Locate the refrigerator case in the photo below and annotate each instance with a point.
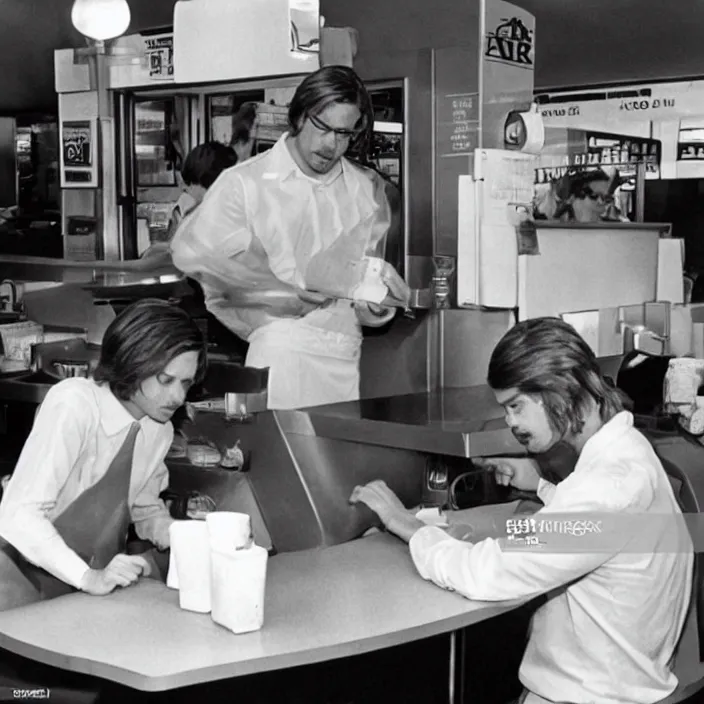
(493, 203)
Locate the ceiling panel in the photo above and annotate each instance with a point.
(579, 42)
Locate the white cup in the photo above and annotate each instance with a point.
(238, 588)
(172, 575)
(190, 547)
(229, 531)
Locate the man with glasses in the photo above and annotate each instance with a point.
(282, 208)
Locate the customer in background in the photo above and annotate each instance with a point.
(269, 216)
(613, 616)
(580, 196)
(244, 131)
(201, 168)
(94, 463)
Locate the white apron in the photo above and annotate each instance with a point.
(308, 365)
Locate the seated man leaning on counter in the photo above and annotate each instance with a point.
(613, 617)
(94, 463)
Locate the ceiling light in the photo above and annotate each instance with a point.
(101, 19)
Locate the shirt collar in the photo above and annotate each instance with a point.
(609, 433)
(114, 417)
(283, 165)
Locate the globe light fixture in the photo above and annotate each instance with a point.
(101, 19)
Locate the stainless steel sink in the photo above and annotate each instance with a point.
(26, 387)
(38, 377)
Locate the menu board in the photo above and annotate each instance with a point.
(457, 124)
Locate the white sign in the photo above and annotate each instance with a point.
(655, 101)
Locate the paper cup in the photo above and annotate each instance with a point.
(172, 576)
(190, 548)
(229, 531)
(238, 586)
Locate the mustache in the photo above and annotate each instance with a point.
(521, 436)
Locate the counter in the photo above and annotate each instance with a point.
(105, 279)
(461, 422)
(320, 605)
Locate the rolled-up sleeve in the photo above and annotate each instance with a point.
(42, 471)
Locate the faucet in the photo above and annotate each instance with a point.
(12, 299)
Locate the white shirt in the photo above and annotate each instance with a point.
(609, 630)
(76, 434)
(293, 217)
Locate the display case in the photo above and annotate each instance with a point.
(155, 159)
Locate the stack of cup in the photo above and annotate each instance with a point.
(189, 564)
(218, 569)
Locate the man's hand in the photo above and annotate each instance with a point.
(372, 315)
(122, 571)
(519, 472)
(393, 514)
(310, 300)
(398, 288)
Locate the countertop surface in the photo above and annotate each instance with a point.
(462, 422)
(320, 604)
(465, 409)
(97, 274)
(604, 225)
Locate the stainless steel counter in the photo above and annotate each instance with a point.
(465, 422)
(315, 457)
(119, 279)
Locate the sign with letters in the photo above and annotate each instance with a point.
(160, 57)
(510, 42)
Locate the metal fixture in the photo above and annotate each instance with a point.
(11, 300)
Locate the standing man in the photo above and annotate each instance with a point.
(94, 462)
(612, 619)
(263, 221)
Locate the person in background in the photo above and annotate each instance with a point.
(201, 168)
(579, 196)
(612, 619)
(269, 216)
(94, 463)
(244, 131)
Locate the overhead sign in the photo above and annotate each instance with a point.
(642, 103)
(510, 42)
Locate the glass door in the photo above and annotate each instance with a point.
(155, 135)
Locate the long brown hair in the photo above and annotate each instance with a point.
(141, 342)
(546, 357)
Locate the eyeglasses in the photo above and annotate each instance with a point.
(587, 193)
(326, 129)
